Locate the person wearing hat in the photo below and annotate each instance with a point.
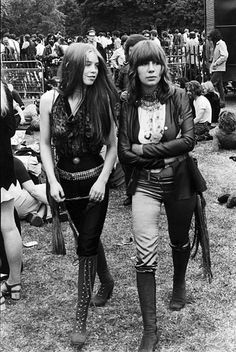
(92, 39)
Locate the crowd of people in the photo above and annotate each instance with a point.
(142, 118)
(190, 47)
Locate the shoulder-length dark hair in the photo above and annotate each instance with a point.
(215, 36)
(101, 97)
(144, 52)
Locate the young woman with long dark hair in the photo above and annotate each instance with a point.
(79, 117)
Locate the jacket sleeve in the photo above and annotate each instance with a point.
(177, 146)
(125, 154)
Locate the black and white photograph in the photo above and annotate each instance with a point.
(118, 176)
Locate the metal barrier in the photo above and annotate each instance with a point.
(27, 77)
(188, 63)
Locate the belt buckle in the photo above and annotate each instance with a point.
(76, 160)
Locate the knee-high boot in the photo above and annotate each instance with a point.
(180, 255)
(146, 285)
(86, 278)
(107, 283)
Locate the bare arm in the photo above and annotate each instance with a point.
(45, 146)
(98, 188)
(36, 191)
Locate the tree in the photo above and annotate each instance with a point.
(32, 16)
(135, 15)
(72, 17)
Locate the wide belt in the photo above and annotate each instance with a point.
(80, 175)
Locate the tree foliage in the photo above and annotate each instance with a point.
(135, 15)
(31, 16)
(73, 17)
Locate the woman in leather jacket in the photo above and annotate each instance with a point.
(156, 132)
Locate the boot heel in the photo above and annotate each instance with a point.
(110, 293)
(149, 342)
(103, 295)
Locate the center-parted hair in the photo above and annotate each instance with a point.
(101, 97)
(144, 52)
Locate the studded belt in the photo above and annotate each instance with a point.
(80, 175)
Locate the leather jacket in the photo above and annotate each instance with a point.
(178, 137)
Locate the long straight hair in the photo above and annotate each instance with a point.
(101, 97)
(144, 52)
(4, 101)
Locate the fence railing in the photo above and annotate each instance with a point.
(187, 62)
(27, 77)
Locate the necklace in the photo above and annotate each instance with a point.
(149, 105)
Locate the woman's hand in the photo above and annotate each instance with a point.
(97, 191)
(57, 192)
(137, 149)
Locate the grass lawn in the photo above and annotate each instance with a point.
(42, 321)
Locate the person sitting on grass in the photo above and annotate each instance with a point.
(203, 111)
(30, 200)
(224, 135)
(214, 98)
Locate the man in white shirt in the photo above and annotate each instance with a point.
(218, 65)
(39, 48)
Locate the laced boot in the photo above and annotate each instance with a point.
(87, 272)
(180, 255)
(146, 285)
(107, 283)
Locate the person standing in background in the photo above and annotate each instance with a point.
(92, 39)
(218, 65)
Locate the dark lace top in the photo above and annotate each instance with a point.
(72, 135)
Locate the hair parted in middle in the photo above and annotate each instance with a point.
(101, 97)
(144, 52)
